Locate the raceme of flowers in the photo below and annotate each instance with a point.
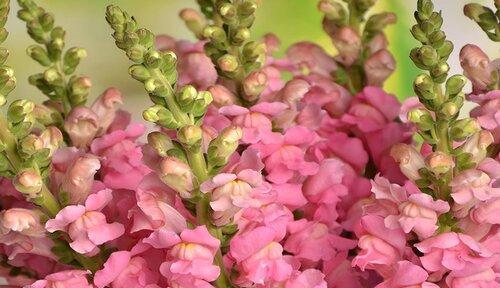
(248, 179)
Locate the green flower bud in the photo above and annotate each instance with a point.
(155, 86)
(484, 16)
(37, 53)
(46, 115)
(418, 33)
(455, 84)
(449, 110)
(228, 13)
(139, 72)
(47, 21)
(153, 59)
(30, 145)
(333, 11)
(72, 58)
(222, 147)
(228, 63)
(445, 50)
(53, 77)
(79, 90)
(464, 128)
(437, 38)
(160, 142)
(136, 53)
(425, 7)
(240, 36)
(422, 118)
(440, 71)
(254, 84)
(161, 116)
(424, 87)
(29, 183)
(247, 8)
(55, 48)
(364, 5)
(146, 37)
(439, 162)
(190, 135)
(214, 33)
(19, 110)
(203, 99)
(428, 55)
(186, 96)
(4, 54)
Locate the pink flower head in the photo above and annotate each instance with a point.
(326, 94)
(312, 241)
(231, 192)
(259, 258)
(407, 275)
(86, 225)
(255, 121)
(372, 109)
(121, 158)
(310, 278)
(477, 66)
(311, 58)
(379, 66)
(21, 221)
(82, 125)
(79, 178)
(274, 216)
(105, 108)
(474, 276)
(488, 114)
(67, 278)
(156, 203)
(191, 255)
(452, 251)
(123, 270)
(469, 187)
(284, 156)
(381, 247)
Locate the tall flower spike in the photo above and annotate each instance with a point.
(227, 29)
(488, 20)
(49, 52)
(362, 56)
(7, 79)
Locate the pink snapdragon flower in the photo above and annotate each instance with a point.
(86, 225)
(488, 113)
(121, 158)
(308, 58)
(452, 251)
(255, 122)
(310, 278)
(191, 255)
(407, 275)
(105, 108)
(123, 270)
(380, 246)
(67, 278)
(312, 241)
(259, 258)
(284, 156)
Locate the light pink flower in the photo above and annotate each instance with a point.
(310, 278)
(488, 114)
(105, 108)
(407, 275)
(379, 66)
(121, 158)
(86, 225)
(190, 255)
(82, 125)
(452, 251)
(177, 175)
(156, 203)
(312, 241)
(232, 192)
(259, 258)
(326, 94)
(274, 216)
(381, 247)
(477, 66)
(311, 58)
(67, 278)
(123, 270)
(340, 273)
(79, 178)
(486, 212)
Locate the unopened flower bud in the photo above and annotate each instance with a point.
(254, 84)
(379, 67)
(424, 87)
(203, 99)
(449, 109)
(177, 175)
(194, 21)
(79, 178)
(410, 160)
(333, 10)
(186, 96)
(477, 145)
(228, 63)
(105, 108)
(440, 71)
(23, 221)
(72, 58)
(464, 128)
(215, 34)
(222, 147)
(240, 36)
(30, 145)
(160, 142)
(19, 110)
(348, 42)
(190, 135)
(38, 53)
(439, 162)
(82, 126)
(476, 65)
(153, 59)
(379, 42)
(53, 77)
(136, 53)
(52, 139)
(139, 72)
(46, 115)
(455, 84)
(161, 116)
(222, 96)
(428, 55)
(248, 7)
(29, 183)
(482, 15)
(80, 88)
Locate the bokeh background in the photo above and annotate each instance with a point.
(290, 20)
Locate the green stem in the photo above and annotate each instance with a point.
(198, 164)
(49, 202)
(10, 143)
(64, 99)
(93, 264)
(180, 116)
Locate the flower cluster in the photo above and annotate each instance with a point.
(249, 180)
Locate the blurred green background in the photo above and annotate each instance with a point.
(291, 20)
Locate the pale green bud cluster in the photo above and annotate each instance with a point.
(7, 79)
(174, 108)
(228, 32)
(488, 20)
(49, 52)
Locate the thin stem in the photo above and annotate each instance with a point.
(10, 143)
(198, 164)
(49, 202)
(180, 116)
